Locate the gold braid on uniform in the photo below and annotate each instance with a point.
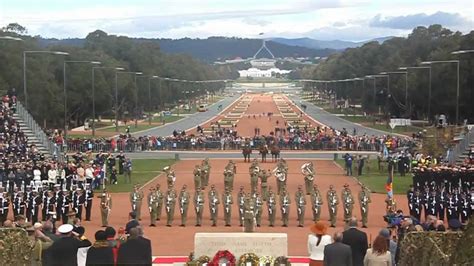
(248, 257)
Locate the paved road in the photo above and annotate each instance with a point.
(190, 121)
(334, 121)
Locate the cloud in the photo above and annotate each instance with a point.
(421, 19)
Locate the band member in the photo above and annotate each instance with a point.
(206, 170)
(136, 197)
(183, 205)
(333, 201)
(170, 177)
(227, 202)
(364, 200)
(258, 208)
(280, 175)
(348, 201)
(170, 198)
(197, 176)
(249, 214)
(316, 203)
(254, 180)
(160, 197)
(241, 201)
(271, 206)
(153, 206)
(264, 175)
(285, 202)
(300, 205)
(214, 202)
(105, 207)
(199, 205)
(307, 170)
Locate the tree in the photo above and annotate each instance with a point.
(16, 28)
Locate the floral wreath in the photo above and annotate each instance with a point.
(249, 257)
(282, 260)
(221, 257)
(204, 259)
(266, 260)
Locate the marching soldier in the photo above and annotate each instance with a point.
(170, 198)
(183, 204)
(285, 202)
(241, 201)
(159, 196)
(300, 205)
(233, 169)
(316, 203)
(280, 175)
(348, 200)
(88, 203)
(271, 206)
(333, 201)
(199, 205)
(364, 200)
(153, 206)
(214, 202)
(264, 175)
(229, 178)
(206, 170)
(197, 177)
(78, 200)
(136, 197)
(258, 208)
(64, 204)
(105, 207)
(249, 215)
(308, 171)
(227, 200)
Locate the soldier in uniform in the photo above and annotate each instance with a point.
(170, 177)
(280, 175)
(105, 207)
(254, 180)
(19, 204)
(433, 203)
(64, 204)
(78, 200)
(264, 175)
(197, 177)
(316, 203)
(333, 201)
(170, 202)
(33, 207)
(4, 206)
(199, 205)
(136, 197)
(425, 200)
(308, 171)
(258, 208)
(153, 206)
(232, 170)
(391, 205)
(241, 201)
(271, 206)
(285, 202)
(465, 208)
(364, 200)
(50, 206)
(451, 207)
(227, 202)
(214, 202)
(183, 204)
(410, 195)
(88, 203)
(417, 206)
(300, 205)
(206, 170)
(249, 215)
(159, 196)
(348, 201)
(442, 203)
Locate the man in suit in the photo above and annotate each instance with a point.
(357, 240)
(337, 253)
(136, 250)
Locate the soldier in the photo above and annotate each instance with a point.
(316, 203)
(88, 203)
(19, 204)
(78, 200)
(170, 203)
(425, 200)
(308, 171)
(241, 201)
(229, 177)
(136, 197)
(153, 206)
(465, 207)
(348, 201)
(254, 180)
(417, 206)
(433, 203)
(4, 206)
(214, 202)
(258, 208)
(50, 206)
(33, 206)
(442, 203)
(410, 196)
(197, 177)
(227, 200)
(206, 170)
(333, 201)
(451, 207)
(170, 177)
(199, 205)
(285, 202)
(183, 204)
(105, 207)
(271, 206)
(249, 215)
(64, 204)
(233, 168)
(391, 205)
(159, 196)
(264, 175)
(364, 200)
(300, 205)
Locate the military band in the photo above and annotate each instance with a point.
(316, 203)
(183, 205)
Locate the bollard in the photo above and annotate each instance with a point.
(335, 156)
(176, 156)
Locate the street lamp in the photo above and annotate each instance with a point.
(24, 69)
(93, 93)
(406, 82)
(116, 96)
(457, 83)
(65, 90)
(429, 84)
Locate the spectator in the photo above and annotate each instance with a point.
(100, 253)
(378, 255)
(64, 250)
(48, 230)
(317, 240)
(79, 231)
(392, 245)
(357, 240)
(136, 251)
(337, 253)
(39, 243)
(348, 163)
(132, 223)
(113, 243)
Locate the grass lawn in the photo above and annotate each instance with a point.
(168, 119)
(144, 170)
(376, 181)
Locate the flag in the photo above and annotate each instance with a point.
(389, 184)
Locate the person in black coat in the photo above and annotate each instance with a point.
(100, 253)
(64, 250)
(337, 253)
(136, 251)
(357, 240)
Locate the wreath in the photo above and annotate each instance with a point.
(282, 260)
(204, 260)
(223, 256)
(266, 260)
(249, 257)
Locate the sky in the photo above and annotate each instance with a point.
(352, 20)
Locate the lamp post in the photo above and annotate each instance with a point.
(116, 96)
(406, 81)
(25, 91)
(429, 84)
(65, 90)
(457, 83)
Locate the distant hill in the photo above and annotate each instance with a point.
(215, 48)
(319, 44)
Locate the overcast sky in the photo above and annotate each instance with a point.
(320, 19)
